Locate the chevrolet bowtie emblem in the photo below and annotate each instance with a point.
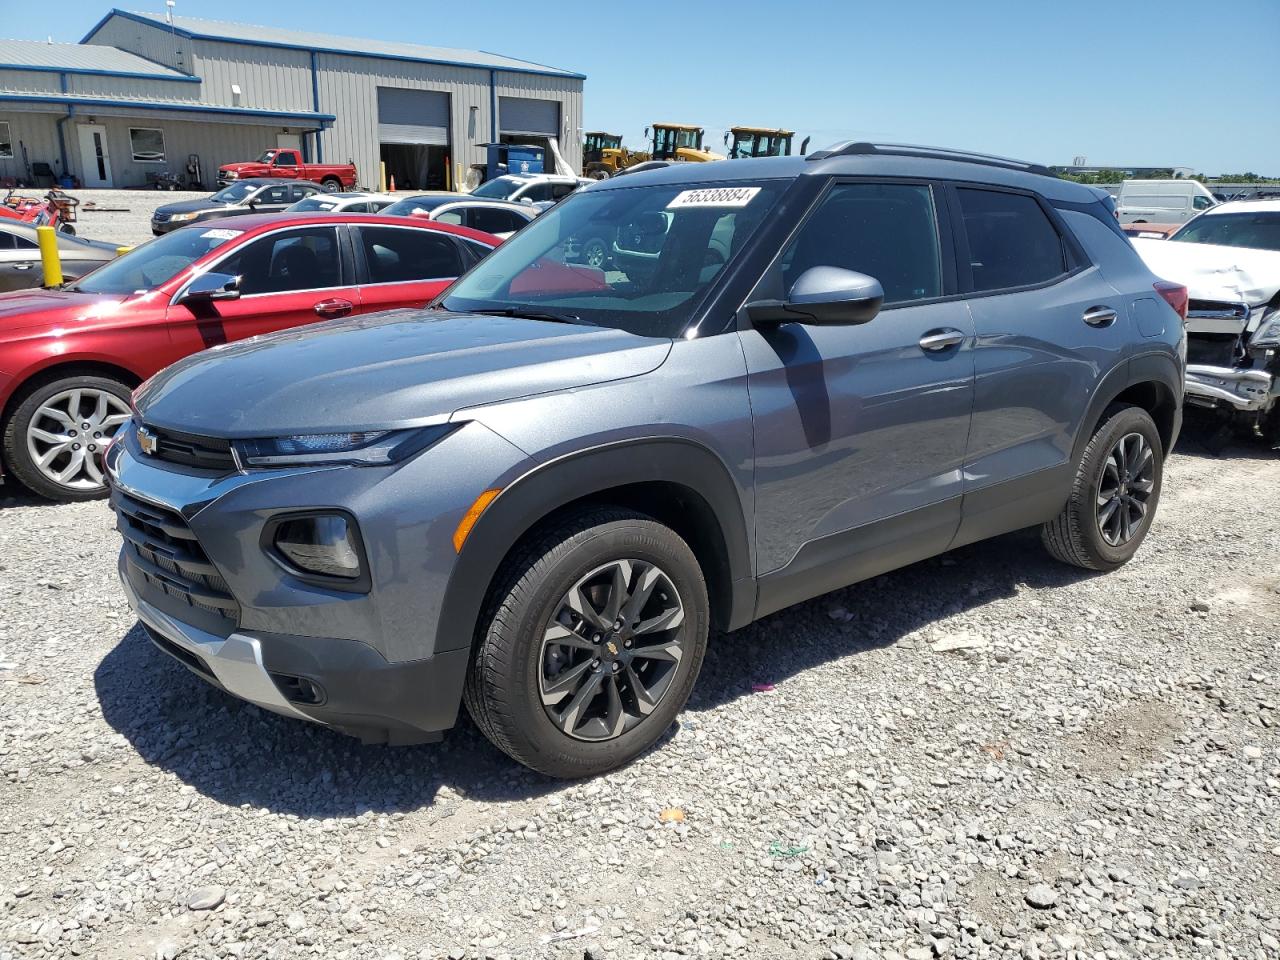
(613, 648)
(148, 441)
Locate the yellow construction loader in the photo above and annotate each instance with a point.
(678, 141)
(603, 155)
(761, 142)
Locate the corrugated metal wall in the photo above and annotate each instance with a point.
(38, 131)
(146, 41)
(126, 88)
(269, 78)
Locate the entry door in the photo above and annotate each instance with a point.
(861, 430)
(95, 159)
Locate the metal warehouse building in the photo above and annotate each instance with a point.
(141, 92)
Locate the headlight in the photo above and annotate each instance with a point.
(1268, 334)
(362, 449)
(180, 217)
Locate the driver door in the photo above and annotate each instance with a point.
(861, 430)
(287, 278)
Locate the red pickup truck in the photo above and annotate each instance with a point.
(332, 177)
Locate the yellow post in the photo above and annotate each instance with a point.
(382, 178)
(121, 251)
(49, 258)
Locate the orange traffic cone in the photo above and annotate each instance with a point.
(393, 183)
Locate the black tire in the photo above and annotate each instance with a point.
(67, 228)
(1076, 535)
(331, 185)
(502, 692)
(13, 439)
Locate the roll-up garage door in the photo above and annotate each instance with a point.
(521, 115)
(413, 116)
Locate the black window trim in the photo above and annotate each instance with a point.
(364, 277)
(1074, 257)
(942, 225)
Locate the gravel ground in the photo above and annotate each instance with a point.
(125, 215)
(1092, 770)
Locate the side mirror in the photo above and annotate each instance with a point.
(209, 287)
(823, 296)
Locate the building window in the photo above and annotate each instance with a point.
(6, 144)
(147, 144)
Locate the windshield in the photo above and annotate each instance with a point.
(234, 193)
(498, 189)
(315, 204)
(411, 205)
(1259, 230)
(266, 156)
(148, 266)
(639, 259)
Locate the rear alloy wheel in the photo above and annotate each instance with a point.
(331, 186)
(594, 253)
(593, 639)
(1114, 497)
(56, 438)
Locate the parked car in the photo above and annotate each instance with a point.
(540, 493)
(1229, 260)
(1162, 201)
(343, 203)
(288, 164)
(20, 265)
(70, 357)
(529, 187)
(238, 200)
(499, 217)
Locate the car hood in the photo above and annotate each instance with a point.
(242, 165)
(1211, 271)
(33, 308)
(189, 206)
(396, 369)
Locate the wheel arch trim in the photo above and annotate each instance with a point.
(1159, 369)
(588, 474)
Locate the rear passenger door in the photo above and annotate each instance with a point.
(1044, 341)
(860, 430)
(406, 266)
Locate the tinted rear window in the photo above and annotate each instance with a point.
(1012, 242)
(396, 255)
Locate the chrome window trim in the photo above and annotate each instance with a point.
(211, 268)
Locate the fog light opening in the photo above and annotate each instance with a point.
(298, 689)
(322, 544)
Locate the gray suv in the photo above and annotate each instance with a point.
(541, 493)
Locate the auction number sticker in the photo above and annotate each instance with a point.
(713, 197)
(221, 234)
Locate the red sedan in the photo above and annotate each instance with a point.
(70, 357)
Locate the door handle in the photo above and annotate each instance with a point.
(1100, 316)
(937, 340)
(333, 308)
(24, 266)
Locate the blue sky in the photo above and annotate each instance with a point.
(1119, 82)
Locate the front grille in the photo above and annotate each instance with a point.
(190, 450)
(165, 555)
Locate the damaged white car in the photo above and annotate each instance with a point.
(1229, 260)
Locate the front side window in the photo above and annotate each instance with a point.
(561, 190)
(283, 262)
(885, 230)
(1259, 230)
(147, 144)
(286, 158)
(1201, 203)
(9, 241)
(1012, 242)
(667, 245)
(148, 266)
(537, 193)
(396, 255)
(276, 194)
(300, 190)
(6, 141)
(234, 193)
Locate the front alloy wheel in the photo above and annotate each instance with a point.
(610, 652)
(591, 642)
(57, 435)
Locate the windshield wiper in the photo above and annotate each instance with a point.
(525, 314)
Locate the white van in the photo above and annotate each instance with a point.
(1162, 201)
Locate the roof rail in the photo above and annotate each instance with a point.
(855, 148)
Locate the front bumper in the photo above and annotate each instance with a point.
(343, 684)
(1243, 390)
